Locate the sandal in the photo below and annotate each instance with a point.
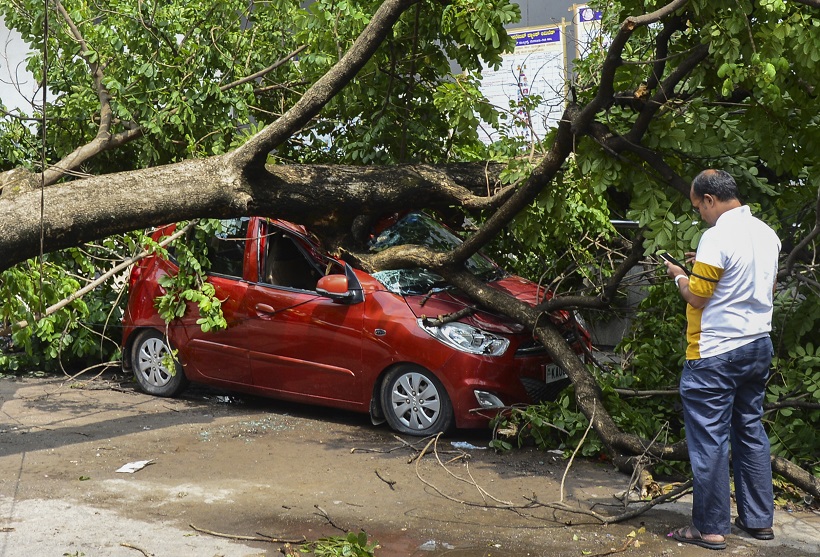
(690, 534)
(756, 533)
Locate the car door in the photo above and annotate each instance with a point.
(220, 356)
(302, 346)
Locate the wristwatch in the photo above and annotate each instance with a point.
(677, 280)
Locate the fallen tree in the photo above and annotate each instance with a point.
(623, 116)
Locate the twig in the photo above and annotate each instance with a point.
(379, 451)
(656, 392)
(404, 445)
(575, 452)
(249, 78)
(670, 496)
(103, 365)
(329, 520)
(533, 502)
(483, 492)
(559, 506)
(504, 505)
(141, 550)
(623, 548)
(259, 538)
(450, 317)
(391, 483)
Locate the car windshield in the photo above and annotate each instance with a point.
(420, 229)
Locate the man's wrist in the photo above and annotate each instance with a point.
(677, 280)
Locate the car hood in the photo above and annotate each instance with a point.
(440, 303)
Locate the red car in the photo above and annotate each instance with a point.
(303, 326)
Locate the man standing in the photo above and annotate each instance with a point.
(729, 314)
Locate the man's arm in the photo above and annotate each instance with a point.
(693, 300)
(682, 283)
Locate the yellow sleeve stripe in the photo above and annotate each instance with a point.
(704, 278)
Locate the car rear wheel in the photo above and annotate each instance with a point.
(415, 402)
(148, 360)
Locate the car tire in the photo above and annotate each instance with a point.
(152, 375)
(415, 402)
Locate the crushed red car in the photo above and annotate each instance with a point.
(306, 327)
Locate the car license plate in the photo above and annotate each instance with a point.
(553, 372)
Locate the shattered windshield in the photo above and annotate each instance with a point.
(420, 229)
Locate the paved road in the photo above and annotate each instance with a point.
(250, 467)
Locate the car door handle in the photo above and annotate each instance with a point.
(264, 310)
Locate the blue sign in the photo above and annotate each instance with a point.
(588, 14)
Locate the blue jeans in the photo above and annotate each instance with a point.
(722, 402)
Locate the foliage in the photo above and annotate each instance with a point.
(177, 70)
(189, 285)
(759, 139)
(146, 52)
(84, 330)
(653, 350)
(796, 376)
(352, 545)
(561, 234)
(550, 425)
(405, 105)
(17, 145)
(745, 109)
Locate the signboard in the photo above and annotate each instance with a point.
(588, 33)
(536, 67)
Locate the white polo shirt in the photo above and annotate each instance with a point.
(735, 268)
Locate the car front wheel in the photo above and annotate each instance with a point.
(415, 402)
(149, 360)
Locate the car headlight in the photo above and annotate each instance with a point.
(466, 338)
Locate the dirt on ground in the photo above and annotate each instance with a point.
(240, 476)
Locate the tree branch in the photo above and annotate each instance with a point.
(613, 60)
(105, 139)
(666, 91)
(608, 292)
(98, 144)
(98, 281)
(791, 260)
(264, 72)
(799, 477)
(670, 27)
(252, 155)
(587, 391)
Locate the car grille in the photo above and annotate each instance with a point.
(538, 391)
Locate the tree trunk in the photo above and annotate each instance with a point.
(329, 197)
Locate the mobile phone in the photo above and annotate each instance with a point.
(673, 261)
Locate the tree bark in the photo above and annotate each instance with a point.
(327, 197)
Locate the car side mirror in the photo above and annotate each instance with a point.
(333, 287)
(344, 288)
